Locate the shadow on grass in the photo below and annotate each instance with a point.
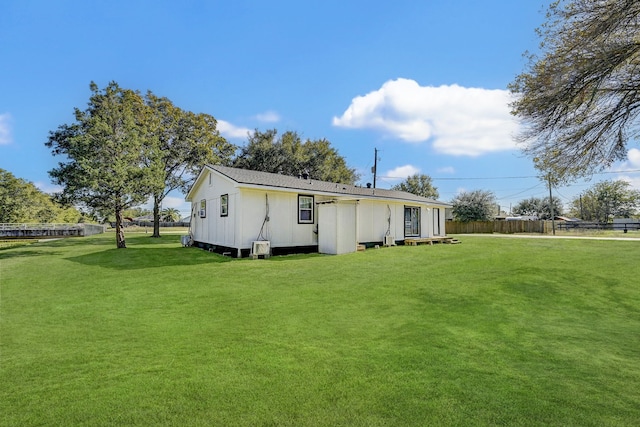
(148, 257)
(8, 253)
(293, 257)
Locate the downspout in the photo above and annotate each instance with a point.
(357, 223)
(191, 224)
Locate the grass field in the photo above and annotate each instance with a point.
(531, 332)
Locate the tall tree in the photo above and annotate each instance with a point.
(579, 99)
(607, 200)
(477, 205)
(418, 184)
(288, 155)
(103, 154)
(21, 201)
(179, 144)
(540, 207)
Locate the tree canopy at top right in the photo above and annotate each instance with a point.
(578, 97)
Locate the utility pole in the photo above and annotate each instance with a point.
(581, 212)
(374, 169)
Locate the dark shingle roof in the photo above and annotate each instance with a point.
(245, 176)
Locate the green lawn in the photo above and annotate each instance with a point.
(531, 332)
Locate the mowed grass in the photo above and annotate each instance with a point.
(490, 332)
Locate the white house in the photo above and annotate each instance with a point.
(245, 212)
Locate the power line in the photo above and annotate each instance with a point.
(520, 192)
(502, 177)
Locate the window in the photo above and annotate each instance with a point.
(411, 221)
(305, 209)
(224, 205)
(203, 208)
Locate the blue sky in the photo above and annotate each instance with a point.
(424, 82)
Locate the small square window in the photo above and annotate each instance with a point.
(224, 205)
(305, 209)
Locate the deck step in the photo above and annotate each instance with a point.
(429, 241)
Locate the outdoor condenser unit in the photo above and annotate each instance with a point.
(389, 241)
(261, 247)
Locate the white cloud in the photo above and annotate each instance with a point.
(446, 169)
(633, 162)
(401, 172)
(460, 190)
(634, 158)
(633, 180)
(230, 131)
(268, 117)
(47, 187)
(5, 129)
(457, 120)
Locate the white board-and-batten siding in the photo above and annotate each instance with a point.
(283, 228)
(214, 228)
(354, 218)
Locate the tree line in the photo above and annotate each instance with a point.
(126, 147)
(600, 203)
(22, 201)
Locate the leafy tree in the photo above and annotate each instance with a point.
(607, 200)
(21, 201)
(539, 207)
(290, 156)
(104, 153)
(477, 205)
(579, 99)
(180, 143)
(170, 215)
(418, 184)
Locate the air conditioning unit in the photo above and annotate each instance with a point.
(389, 241)
(261, 248)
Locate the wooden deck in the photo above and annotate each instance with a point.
(429, 241)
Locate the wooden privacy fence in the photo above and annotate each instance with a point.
(506, 227)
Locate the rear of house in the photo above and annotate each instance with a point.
(232, 209)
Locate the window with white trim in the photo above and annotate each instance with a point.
(305, 209)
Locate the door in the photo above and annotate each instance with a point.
(436, 222)
(411, 221)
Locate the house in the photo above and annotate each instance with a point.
(243, 212)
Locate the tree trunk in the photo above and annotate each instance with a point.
(120, 243)
(156, 216)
